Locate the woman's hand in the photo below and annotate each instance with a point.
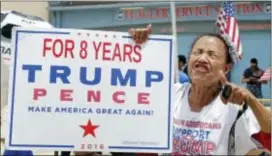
(140, 35)
(238, 94)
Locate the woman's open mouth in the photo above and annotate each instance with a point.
(202, 68)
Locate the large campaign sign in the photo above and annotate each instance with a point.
(87, 90)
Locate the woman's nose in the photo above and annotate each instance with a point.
(203, 58)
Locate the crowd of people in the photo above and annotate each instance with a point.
(199, 98)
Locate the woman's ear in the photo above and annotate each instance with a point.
(227, 68)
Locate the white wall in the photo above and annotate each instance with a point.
(32, 8)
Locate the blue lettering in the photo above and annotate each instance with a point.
(83, 76)
(39, 109)
(207, 134)
(196, 134)
(61, 72)
(31, 109)
(31, 71)
(117, 75)
(150, 77)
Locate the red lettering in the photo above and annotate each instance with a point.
(257, 8)
(137, 50)
(210, 147)
(96, 49)
(65, 95)
(179, 12)
(141, 13)
(165, 13)
(69, 47)
(106, 50)
(239, 8)
(185, 11)
(129, 13)
(116, 97)
(190, 11)
(93, 96)
(160, 13)
(59, 47)
(38, 92)
(45, 47)
(175, 144)
(127, 52)
(184, 145)
(247, 8)
(83, 49)
(198, 11)
(143, 98)
(149, 14)
(208, 10)
(117, 52)
(197, 147)
(214, 126)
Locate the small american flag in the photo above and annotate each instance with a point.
(267, 74)
(229, 29)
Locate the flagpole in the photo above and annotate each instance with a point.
(174, 33)
(215, 30)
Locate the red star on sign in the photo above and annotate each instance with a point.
(89, 128)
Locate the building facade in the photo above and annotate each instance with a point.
(39, 9)
(192, 19)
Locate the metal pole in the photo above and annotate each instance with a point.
(174, 33)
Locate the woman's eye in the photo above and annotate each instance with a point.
(197, 52)
(212, 55)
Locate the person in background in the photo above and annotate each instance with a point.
(181, 62)
(252, 77)
(183, 77)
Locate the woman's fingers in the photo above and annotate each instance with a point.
(140, 35)
(238, 95)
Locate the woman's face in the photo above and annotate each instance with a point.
(207, 58)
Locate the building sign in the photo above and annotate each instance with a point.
(187, 11)
(188, 28)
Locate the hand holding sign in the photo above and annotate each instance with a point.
(140, 35)
(233, 93)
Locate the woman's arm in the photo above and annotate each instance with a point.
(263, 117)
(261, 113)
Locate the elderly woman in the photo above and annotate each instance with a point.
(205, 121)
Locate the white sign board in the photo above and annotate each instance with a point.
(90, 91)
